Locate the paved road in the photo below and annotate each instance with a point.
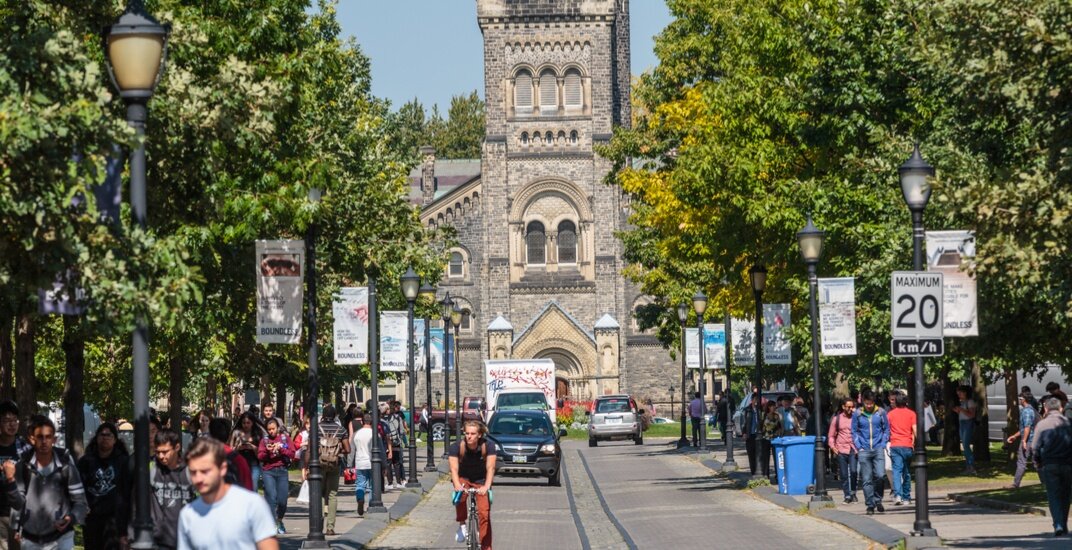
(619, 495)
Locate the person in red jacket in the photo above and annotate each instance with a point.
(902, 441)
(275, 453)
(238, 472)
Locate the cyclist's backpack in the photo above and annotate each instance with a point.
(395, 423)
(330, 447)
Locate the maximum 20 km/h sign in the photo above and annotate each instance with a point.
(917, 317)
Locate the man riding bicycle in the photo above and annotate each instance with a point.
(472, 465)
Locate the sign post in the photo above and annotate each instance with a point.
(916, 314)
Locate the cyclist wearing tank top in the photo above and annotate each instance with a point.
(472, 465)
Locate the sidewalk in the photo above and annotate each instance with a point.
(959, 525)
(355, 532)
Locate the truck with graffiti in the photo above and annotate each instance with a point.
(520, 384)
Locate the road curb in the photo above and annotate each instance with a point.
(374, 524)
(995, 504)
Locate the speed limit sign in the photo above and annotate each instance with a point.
(916, 320)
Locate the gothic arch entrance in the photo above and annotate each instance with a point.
(570, 382)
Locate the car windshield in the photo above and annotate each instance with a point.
(527, 401)
(508, 424)
(612, 406)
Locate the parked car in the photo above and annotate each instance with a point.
(472, 409)
(738, 415)
(615, 417)
(526, 445)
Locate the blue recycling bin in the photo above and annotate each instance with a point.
(794, 460)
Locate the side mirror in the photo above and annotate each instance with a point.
(562, 432)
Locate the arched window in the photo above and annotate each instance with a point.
(548, 138)
(457, 265)
(573, 137)
(571, 90)
(567, 242)
(524, 138)
(467, 321)
(534, 243)
(523, 91)
(548, 92)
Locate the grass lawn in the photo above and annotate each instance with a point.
(1031, 495)
(948, 471)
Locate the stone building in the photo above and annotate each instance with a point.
(539, 268)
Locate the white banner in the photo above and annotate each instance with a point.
(350, 309)
(715, 346)
(692, 350)
(279, 291)
(394, 357)
(742, 337)
(437, 349)
(776, 323)
(837, 316)
(418, 337)
(945, 252)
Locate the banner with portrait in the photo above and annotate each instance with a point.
(279, 291)
(350, 335)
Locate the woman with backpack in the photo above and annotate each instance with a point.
(105, 474)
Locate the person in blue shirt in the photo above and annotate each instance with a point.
(1026, 434)
(871, 434)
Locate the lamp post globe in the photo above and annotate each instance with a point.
(915, 187)
(699, 303)
(411, 284)
(135, 50)
(758, 275)
(810, 239)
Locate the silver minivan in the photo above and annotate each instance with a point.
(615, 417)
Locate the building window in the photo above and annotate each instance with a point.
(524, 138)
(457, 265)
(567, 242)
(573, 137)
(523, 92)
(548, 92)
(467, 321)
(571, 90)
(534, 243)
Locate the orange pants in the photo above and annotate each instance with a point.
(483, 513)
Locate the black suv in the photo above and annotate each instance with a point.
(526, 445)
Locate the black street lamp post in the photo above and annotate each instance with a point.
(376, 500)
(411, 284)
(427, 294)
(683, 317)
(699, 305)
(671, 401)
(730, 464)
(446, 309)
(316, 477)
(810, 240)
(135, 48)
(917, 192)
(758, 274)
(456, 320)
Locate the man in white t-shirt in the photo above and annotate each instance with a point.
(225, 516)
(362, 446)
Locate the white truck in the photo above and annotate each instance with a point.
(527, 384)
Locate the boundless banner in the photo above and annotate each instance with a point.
(393, 340)
(279, 291)
(776, 346)
(350, 310)
(837, 316)
(946, 252)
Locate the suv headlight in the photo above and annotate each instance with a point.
(548, 448)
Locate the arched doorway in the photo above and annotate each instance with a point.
(561, 388)
(569, 382)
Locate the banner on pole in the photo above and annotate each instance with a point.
(946, 250)
(776, 323)
(418, 351)
(393, 340)
(715, 346)
(437, 349)
(742, 338)
(279, 291)
(350, 334)
(837, 316)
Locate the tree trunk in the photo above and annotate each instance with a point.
(951, 437)
(25, 378)
(211, 383)
(266, 389)
(1012, 409)
(7, 354)
(74, 352)
(175, 385)
(981, 435)
(281, 409)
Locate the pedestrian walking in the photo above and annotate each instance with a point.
(696, 413)
(275, 453)
(902, 421)
(105, 472)
(1025, 435)
(772, 428)
(396, 421)
(238, 472)
(50, 499)
(752, 428)
(172, 488)
(12, 447)
(930, 422)
(840, 437)
(790, 419)
(966, 412)
(224, 516)
(362, 447)
(1052, 447)
(870, 434)
(722, 409)
(268, 413)
(246, 439)
(334, 445)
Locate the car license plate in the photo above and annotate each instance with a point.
(520, 459)
(614, 421)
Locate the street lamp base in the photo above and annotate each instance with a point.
(729, 466)
(412, 484)
(430, 468)
(315, 544)
(924, 532)
(820, 501)
(381, 509)
(925, 541)
(682, 443)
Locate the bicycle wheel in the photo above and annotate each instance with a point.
(473, 523)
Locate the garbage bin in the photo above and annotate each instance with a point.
(794, 460)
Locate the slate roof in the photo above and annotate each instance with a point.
(449, 174)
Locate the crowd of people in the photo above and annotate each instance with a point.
(225, 476)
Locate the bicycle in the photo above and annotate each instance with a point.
(472, 521)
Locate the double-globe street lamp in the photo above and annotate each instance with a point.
(810, 240)
(683, 317)
(699, 305)
(446, 311)
(917, 192)
(427, 294)
(135, 48)
(456, 320)
(411, 286)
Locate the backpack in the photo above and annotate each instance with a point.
(330, 447)
(232, 470)
(395, 423)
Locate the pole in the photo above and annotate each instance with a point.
(730, 465)
(316, 477)
(376, 499)
(759, 346)
(448, 351)
(684, 441)
(922, 525)
(137, 113)
(430, 466)
(703, 382)
(411, 448)
(820, 449)
(457, 391)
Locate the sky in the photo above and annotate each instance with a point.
(433, 50)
